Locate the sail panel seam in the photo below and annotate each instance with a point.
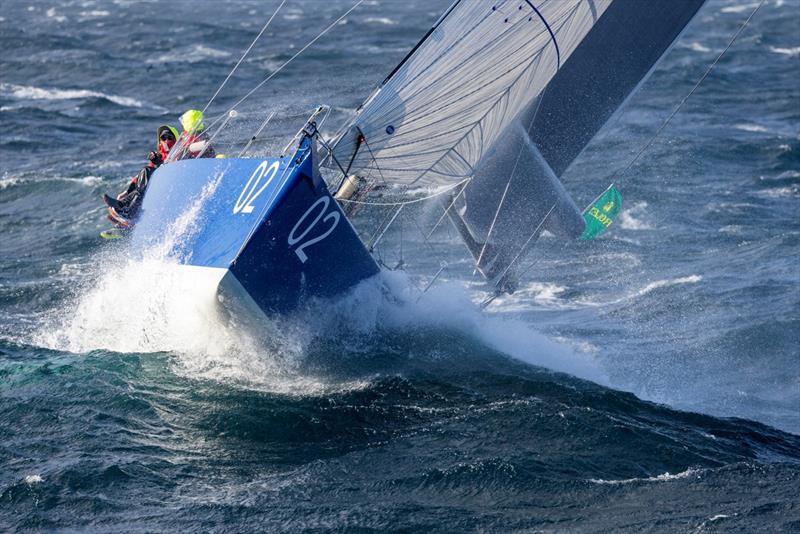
(552, 35)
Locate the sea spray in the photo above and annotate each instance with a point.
(144, 300)
(390, 303)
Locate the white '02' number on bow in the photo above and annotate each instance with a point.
(244, 204)
(333, 216)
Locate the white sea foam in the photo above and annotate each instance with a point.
(449, 306)
(27, 92)
(666, 477)
(746, 127)
(33, 479)
(697, 47)
(693, 279)
(732, 229)
(652, 286)
(153, 306)
(10, 181)
(786, 175)
(780, 192)
(380, 20)
(791, 52)
(88, 181)
(293, 14)
(97, 13)
(633, 218)
(192, 54)
(52, 14)
(542, 293)
(737, 8)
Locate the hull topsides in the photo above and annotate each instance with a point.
(269, 227)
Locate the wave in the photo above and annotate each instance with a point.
(168, 312)
(791, 52)
(693, 279)
(52, 14)
(13, 181)
(652, 286)
(738, 9)
(745, 127)
(697, 47)
(191, 54)
(380, 20)
(96, 13)
(628, 218)
(780, 192)
(29, 92)
(543, 294)
(666, 477)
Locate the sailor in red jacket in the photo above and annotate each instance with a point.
(124, 207)
(194, 142)
(167, 136)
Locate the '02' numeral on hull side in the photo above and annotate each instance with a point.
(244, 204)
(333, 217)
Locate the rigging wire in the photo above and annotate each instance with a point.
(258, 132)
(274, 73)
(649, 143)
(511, 177)
(685, 98)
(525, 245)
(244, 55)
(447, 209)
(231, 115)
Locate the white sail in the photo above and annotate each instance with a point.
(443, 108)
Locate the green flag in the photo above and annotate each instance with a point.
(601, 213)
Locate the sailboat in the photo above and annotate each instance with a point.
(485, 113)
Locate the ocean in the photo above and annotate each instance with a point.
(645, 381)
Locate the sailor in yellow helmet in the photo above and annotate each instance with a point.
(194, 140)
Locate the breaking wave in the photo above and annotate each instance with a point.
(191, 54)
(29, 92)
(665, 477)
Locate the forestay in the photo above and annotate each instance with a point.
(445, 105)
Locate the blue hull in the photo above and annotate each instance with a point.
(268, 228)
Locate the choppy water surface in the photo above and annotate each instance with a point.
(646, 381)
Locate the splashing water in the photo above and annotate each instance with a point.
(154, 304)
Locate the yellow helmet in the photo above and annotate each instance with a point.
(192, 121)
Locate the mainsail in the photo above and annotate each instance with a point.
(507, 94)
(446, 104)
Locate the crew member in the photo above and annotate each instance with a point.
(194, 141)
(166, 136)
(125, 206)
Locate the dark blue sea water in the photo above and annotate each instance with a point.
(646, 381)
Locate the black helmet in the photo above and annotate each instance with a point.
(166, 131)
